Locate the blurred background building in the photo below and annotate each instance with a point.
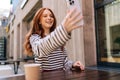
(4, 13)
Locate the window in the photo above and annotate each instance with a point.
(108, 30)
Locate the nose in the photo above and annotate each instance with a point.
(49, 17)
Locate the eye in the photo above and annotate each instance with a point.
(51, 16)
(44, 15)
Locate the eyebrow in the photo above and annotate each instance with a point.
(49, 14)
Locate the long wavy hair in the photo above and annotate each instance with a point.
(37, 29)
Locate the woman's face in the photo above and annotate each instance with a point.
(47, 20)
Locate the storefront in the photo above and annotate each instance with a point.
(108, 32)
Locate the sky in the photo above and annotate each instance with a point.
(4, 7)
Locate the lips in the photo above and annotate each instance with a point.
(49, 22)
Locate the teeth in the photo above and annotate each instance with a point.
(49, 22)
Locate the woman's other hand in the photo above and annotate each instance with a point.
(78, 64)
(71, 20)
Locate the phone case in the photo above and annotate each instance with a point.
(75, 3)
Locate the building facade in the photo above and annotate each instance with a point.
(81, 47)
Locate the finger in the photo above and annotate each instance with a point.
(78, 63)
(77, 20)
(71, 12)
(76, 26)
(82, 67)
(75, 16)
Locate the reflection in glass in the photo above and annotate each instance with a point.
(108, 20)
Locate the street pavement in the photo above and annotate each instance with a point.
(8, 70)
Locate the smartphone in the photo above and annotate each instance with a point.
(75, 4)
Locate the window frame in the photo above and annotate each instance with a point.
(96, 7)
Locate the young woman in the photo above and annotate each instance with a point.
(46, 41)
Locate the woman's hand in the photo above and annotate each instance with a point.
(71, 20)
(78, 64)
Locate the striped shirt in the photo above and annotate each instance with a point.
(48, 51)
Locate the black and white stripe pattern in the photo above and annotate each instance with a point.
(48, 51)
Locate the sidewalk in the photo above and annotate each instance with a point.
(8, 70)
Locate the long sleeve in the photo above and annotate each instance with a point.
(68, 64)
(44, 46)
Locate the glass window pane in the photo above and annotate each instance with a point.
(108, 21)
